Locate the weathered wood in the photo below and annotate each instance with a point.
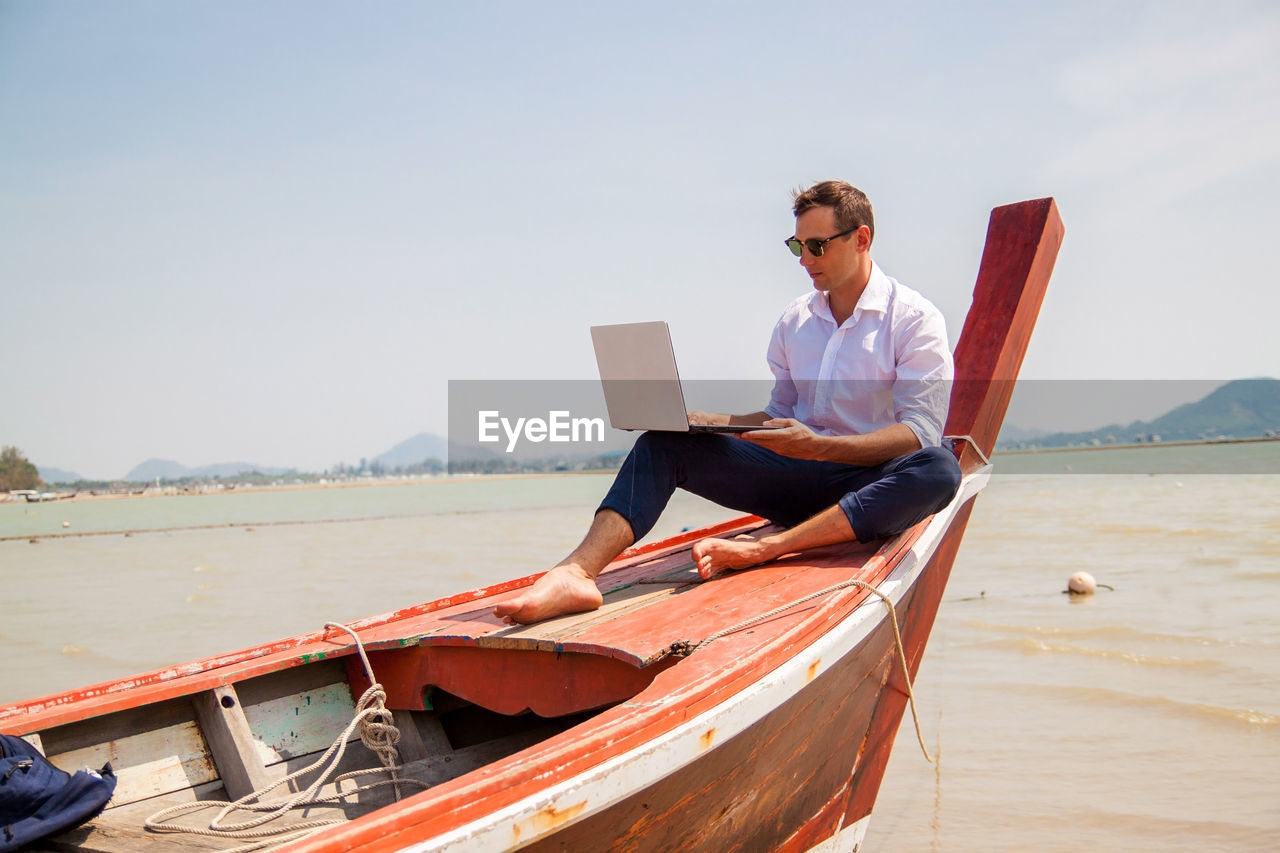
(916, 616)
(149, 763)
(753, 790)
(508, 681)
(299, 723)
(694, 685)
(733, 597)
(95, 729)
(411, 746)
(1022, 245)
(153, 750)
(548, 635)
(121, 830)
(431, 733)
(291, 681)
(103, 835)
(227, 732)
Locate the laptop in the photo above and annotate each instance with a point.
(641, 386)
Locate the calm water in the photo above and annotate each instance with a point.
(1144, 718)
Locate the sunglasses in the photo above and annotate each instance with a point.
(813, 244)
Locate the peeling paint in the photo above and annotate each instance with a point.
(297, 724)
(551, 817)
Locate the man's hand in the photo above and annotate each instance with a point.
(793, 439)
(708, 419)
(800, 442)
(699, 418)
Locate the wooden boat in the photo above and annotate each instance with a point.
(755, 711)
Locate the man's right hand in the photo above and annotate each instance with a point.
(697, 418)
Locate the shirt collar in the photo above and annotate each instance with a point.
(875, 297)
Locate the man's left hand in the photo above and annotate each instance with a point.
(793, 438)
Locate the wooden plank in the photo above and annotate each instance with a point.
(300, 723)
(431, 732)
(234, 750)
(411, 747)
(153, 749)
(708, 607)
(94, 731)
(298, 679)
(1022, 244)
(549, 634)
(105, 836)
(148, 763)
(627, 627)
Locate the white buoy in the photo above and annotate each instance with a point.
(66, 524)
(1082, 583)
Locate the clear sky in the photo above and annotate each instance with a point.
(273, 232)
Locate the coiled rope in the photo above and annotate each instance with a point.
(683, 647)
(377, 732)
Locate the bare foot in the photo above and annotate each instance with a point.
(716, 556)
(564, 589)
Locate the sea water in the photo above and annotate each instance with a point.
(1141, 718)
(1144, 717)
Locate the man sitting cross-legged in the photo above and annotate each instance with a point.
(862, 377)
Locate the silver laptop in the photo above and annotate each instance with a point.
(641, 386)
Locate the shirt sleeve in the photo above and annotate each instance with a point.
(782, 402)
(922, 389)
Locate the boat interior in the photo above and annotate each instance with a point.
(464, 691)
(191, 749)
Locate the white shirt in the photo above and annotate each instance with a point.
(887, 364)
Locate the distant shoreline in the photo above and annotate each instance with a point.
(152, 492)
(1146, 445)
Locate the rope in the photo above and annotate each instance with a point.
(972, 443)
(683, 647)
(377, 732)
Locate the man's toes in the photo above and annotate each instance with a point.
(504, 609)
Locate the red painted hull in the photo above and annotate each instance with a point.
(800, 774)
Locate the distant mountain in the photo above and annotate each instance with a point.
(414, 450)
(1244, 408)
(1240, 409)
(57, 475)
(163, 469)
(167, 469)
(426, 445)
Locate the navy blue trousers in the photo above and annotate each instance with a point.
(879, 501)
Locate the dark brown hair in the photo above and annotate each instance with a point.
(852, 207)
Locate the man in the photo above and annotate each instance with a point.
(862, 376)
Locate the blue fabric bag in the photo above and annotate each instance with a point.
(38, 800)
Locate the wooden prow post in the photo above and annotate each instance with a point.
(1022, 245)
